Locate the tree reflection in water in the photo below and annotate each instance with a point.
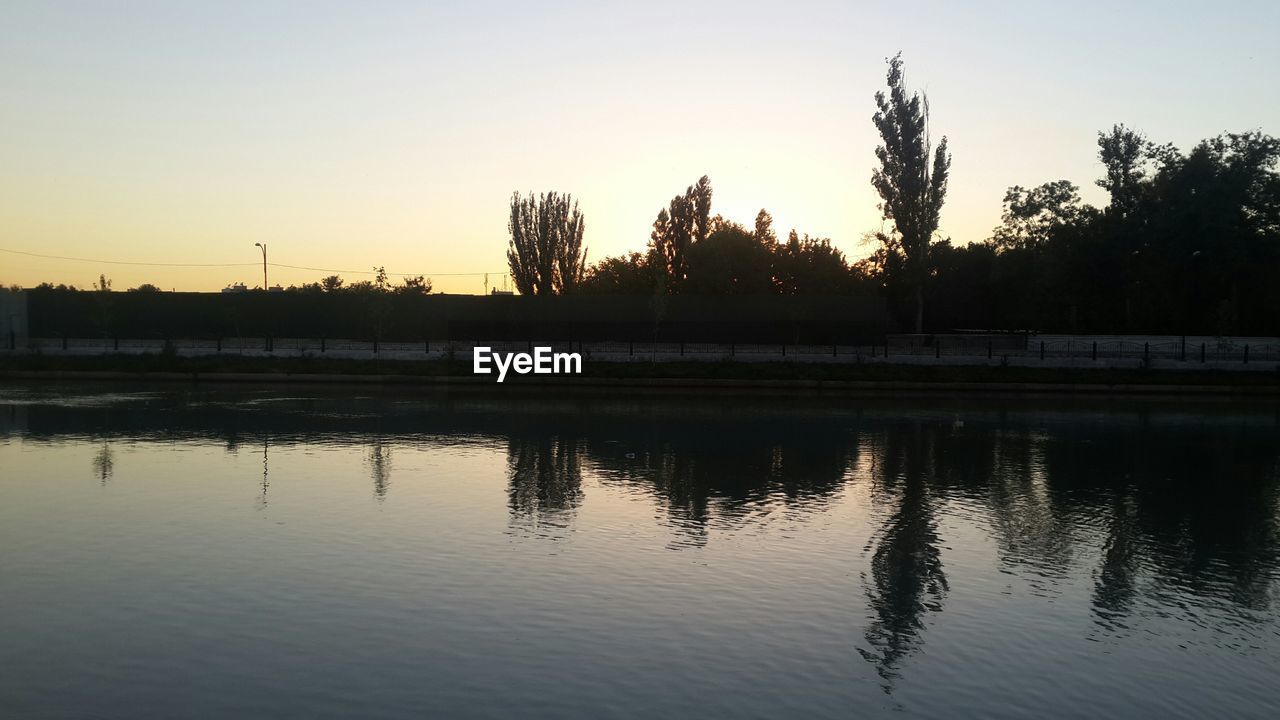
(1162, 515)
(379, 460)
(104, 463)
(545, 482)
(906, 575)
(728, 476)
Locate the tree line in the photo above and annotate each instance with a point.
(380, 284)
(1188, 242)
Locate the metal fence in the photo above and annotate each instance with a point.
(1035, 351)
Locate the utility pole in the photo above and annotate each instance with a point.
(264, 265)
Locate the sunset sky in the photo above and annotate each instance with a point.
(348, 135)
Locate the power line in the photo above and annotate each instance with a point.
(125, 262)
(251, 264)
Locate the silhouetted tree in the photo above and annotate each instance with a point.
(102, 295)
(545, 253)
(678, 228)
(810, 266)
(1123, 152)
(911, 188)
(764, 229)
(730, 261)
(1031, 216)
(414, 286)
(333, 283)
(629, 274)
(146, 288)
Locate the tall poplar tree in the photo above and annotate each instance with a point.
(686, 221)
(545, 252)
(912, 188)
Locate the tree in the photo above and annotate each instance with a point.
(911, 189)
(629, 274)
(1123, 152)
(685, 222)
(102, 295)
(1031, 216)
(730, 261)
(333, 283)
(764, 228)
(810, 266)
(377, 293)
(415, 286)
(545, 253)
(145, 288)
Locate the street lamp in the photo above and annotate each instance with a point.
(264, 264)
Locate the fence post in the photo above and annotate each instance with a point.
(375, 346)
(988, 349)
(1201, 352)
(1246, 354)
(64, 341)
(833, 349)
(784, 349)
(681, 348)
(631, 348)
(426, 346)
(1183, 353)
(732, 350)
(117, 344)
(1041, 349)
(219, 343)
(322, 345)
(1146, 353)
(1095, 350)
(937, 349)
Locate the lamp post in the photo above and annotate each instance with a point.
(264, 264)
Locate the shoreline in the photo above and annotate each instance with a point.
(670, 384)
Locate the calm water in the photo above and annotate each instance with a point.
(230, 552)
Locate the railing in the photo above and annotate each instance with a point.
(1047, 351)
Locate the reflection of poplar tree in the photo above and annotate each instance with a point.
(906, 567)
(104, 463)
(380, 468)
(1116, 584)
(545, 478)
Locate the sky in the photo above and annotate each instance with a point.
(352, 135)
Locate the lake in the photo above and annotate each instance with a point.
(178, 551)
